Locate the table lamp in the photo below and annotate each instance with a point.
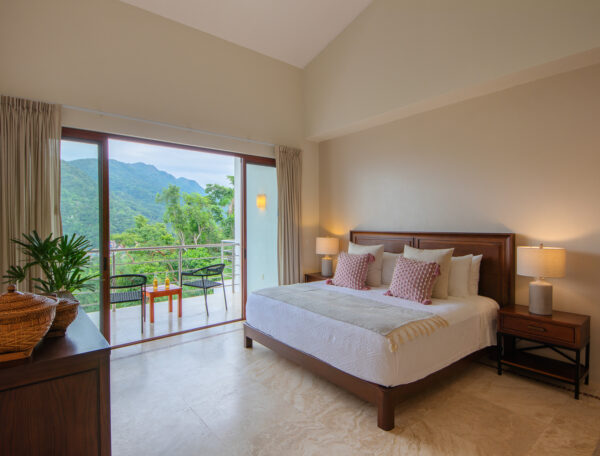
(327, 246)
(541, 262)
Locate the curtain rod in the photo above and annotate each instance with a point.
(163, 124)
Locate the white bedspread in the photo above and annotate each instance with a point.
(365, 354)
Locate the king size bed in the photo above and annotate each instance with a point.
(384, 348)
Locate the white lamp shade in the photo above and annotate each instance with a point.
(328, 246)
(542, 262)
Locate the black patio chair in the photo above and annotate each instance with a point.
(132, 289)
(200, 278)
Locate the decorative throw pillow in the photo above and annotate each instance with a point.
(374, 272)
(351, 271)
(474, 276)
(460, 276)
(413, 280)
(388, 266)
(441, 257)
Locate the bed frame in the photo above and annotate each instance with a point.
(497, 281)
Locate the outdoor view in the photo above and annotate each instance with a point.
(171, 210)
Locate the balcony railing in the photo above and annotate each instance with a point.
(168, 259)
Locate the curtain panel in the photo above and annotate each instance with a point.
(289, 178)
(30, 134)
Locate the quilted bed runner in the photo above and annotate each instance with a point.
(397, 324)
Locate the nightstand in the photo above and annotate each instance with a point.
(314, 277)
(558, 332)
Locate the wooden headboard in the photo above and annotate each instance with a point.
(497, 273)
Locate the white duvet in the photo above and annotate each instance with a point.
(365, 354)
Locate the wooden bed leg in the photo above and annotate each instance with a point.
(385, 412)
(247, 342)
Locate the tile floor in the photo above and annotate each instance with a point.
(125, 321)
(204, 394)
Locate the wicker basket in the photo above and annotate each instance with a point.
(24, 319)
(66, 312)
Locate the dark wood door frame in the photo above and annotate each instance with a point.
(101, 140)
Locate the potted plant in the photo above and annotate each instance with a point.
(63, 261)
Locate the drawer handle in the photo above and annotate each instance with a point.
(536, 328)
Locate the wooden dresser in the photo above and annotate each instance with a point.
(58, 402)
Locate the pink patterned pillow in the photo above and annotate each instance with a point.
(351, 271)
(413, 280)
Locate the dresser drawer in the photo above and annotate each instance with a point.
(537, 329)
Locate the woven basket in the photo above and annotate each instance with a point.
(24, 319)
(66, 312)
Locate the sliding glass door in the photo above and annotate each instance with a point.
(83, 207)
(173, 223)
(191, 230)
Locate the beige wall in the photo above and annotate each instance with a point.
(401, 57)
(109, 56)
(524, 160)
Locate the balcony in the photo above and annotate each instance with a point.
(158, 261)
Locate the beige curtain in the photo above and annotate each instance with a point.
(289, 177)
(29, 175)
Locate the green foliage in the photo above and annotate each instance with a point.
(133, 189)
(148, 208)
(63, 261)
(144, 234)
(199, 219)
(223, 207)
(79, 201)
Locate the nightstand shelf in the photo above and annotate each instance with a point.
(550, 367)
(559, 332)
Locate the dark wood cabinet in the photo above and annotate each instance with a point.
(58, 402)
(558, 332)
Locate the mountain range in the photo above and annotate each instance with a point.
(133, 190)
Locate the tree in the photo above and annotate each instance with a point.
(201, 226)
(174, 214)
(199, 219)
(222, 199)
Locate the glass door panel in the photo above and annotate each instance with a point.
(172, 212)
(261, 227)
(80, 209)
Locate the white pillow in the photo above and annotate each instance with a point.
(474, 276)
(439, 256)
(389, 264)
(374, 273)
(460, 276)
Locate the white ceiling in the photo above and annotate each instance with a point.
(293, 31)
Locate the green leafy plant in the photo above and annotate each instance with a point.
(63, 261)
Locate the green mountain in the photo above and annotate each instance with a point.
(133, 189)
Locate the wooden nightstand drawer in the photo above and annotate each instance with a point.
(538, 329)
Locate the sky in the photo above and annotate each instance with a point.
(204, 168)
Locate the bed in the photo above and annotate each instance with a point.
(359, 360)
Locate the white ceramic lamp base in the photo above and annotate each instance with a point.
(326, 266)
(540, 297)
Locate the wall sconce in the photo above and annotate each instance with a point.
(261, 201)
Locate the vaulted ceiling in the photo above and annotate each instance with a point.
(293, 31)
